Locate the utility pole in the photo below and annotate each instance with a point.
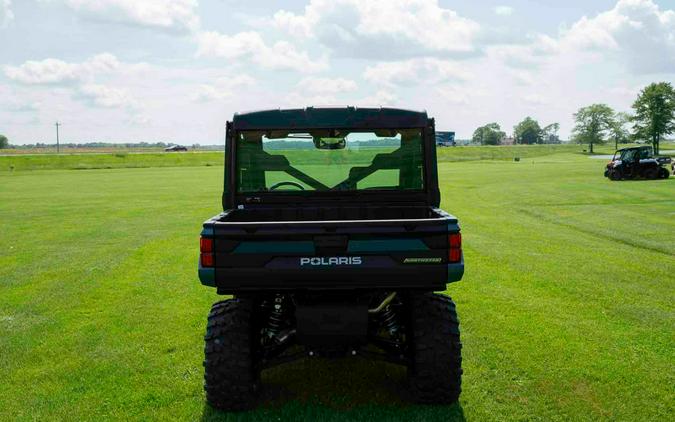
(57, 136)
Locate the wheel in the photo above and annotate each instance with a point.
(652, 173)
(231, 377)
(664, 173)
(615, 175)
(435, 371)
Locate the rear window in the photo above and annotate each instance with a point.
(329, 160)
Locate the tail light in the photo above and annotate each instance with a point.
(206, 251)
(455, 247)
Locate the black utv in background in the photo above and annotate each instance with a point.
(637, 163)
(331, 243)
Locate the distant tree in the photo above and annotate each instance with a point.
(655, 113)
(619, 130)
(490, 134)
(549, 134)
(4, 142)
(527, 132)
(593, 125)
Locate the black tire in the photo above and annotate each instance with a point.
(615, 175)
(435, 371)
(231, 377)
(652, 173)
(664, 173)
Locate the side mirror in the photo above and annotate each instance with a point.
(330, 143)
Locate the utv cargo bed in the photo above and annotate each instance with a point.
(293, 249)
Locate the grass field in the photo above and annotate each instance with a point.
(567, 306)
(89, 161)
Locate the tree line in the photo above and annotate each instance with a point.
(527, 132)
(652, 119)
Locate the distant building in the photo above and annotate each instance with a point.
(508, 141)
(445, 139)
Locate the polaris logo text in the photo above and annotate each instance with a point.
(331, 261)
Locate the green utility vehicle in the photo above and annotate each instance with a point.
(331, 243)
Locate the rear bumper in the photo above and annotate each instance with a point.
(426, 277)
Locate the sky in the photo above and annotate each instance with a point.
(177, 70)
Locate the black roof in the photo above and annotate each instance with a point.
(640, 147)
(330, 117)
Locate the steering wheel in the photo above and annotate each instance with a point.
(280, 184)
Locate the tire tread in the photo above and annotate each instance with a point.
(435, 373)
(230, 378)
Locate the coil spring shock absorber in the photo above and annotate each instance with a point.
(390, 321)
(275, 321)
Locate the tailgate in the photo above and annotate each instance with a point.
(331, 255)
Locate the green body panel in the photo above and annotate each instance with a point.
(355, 246)
(386, 245)
(455, 271)
(306, 247)
(207, 276)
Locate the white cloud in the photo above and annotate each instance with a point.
(107, 97)
(301, 100)
(22, 106)
(313, 91)
(139, 120)
(79, 79)
(221, 89)
(296, 25)
(6, 14)
(171, 15)
(205, 93)
(381, 98)
(384, 29)
(326, 85)
(523, 77)
(55, 71)
(534, 99)
(415, 71)
(539, 49)
(249, 45)
(503, 10)
(457, 95)
(636, 32)
(16, 102)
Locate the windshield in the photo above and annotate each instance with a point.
(329, 160)
(628, 155)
